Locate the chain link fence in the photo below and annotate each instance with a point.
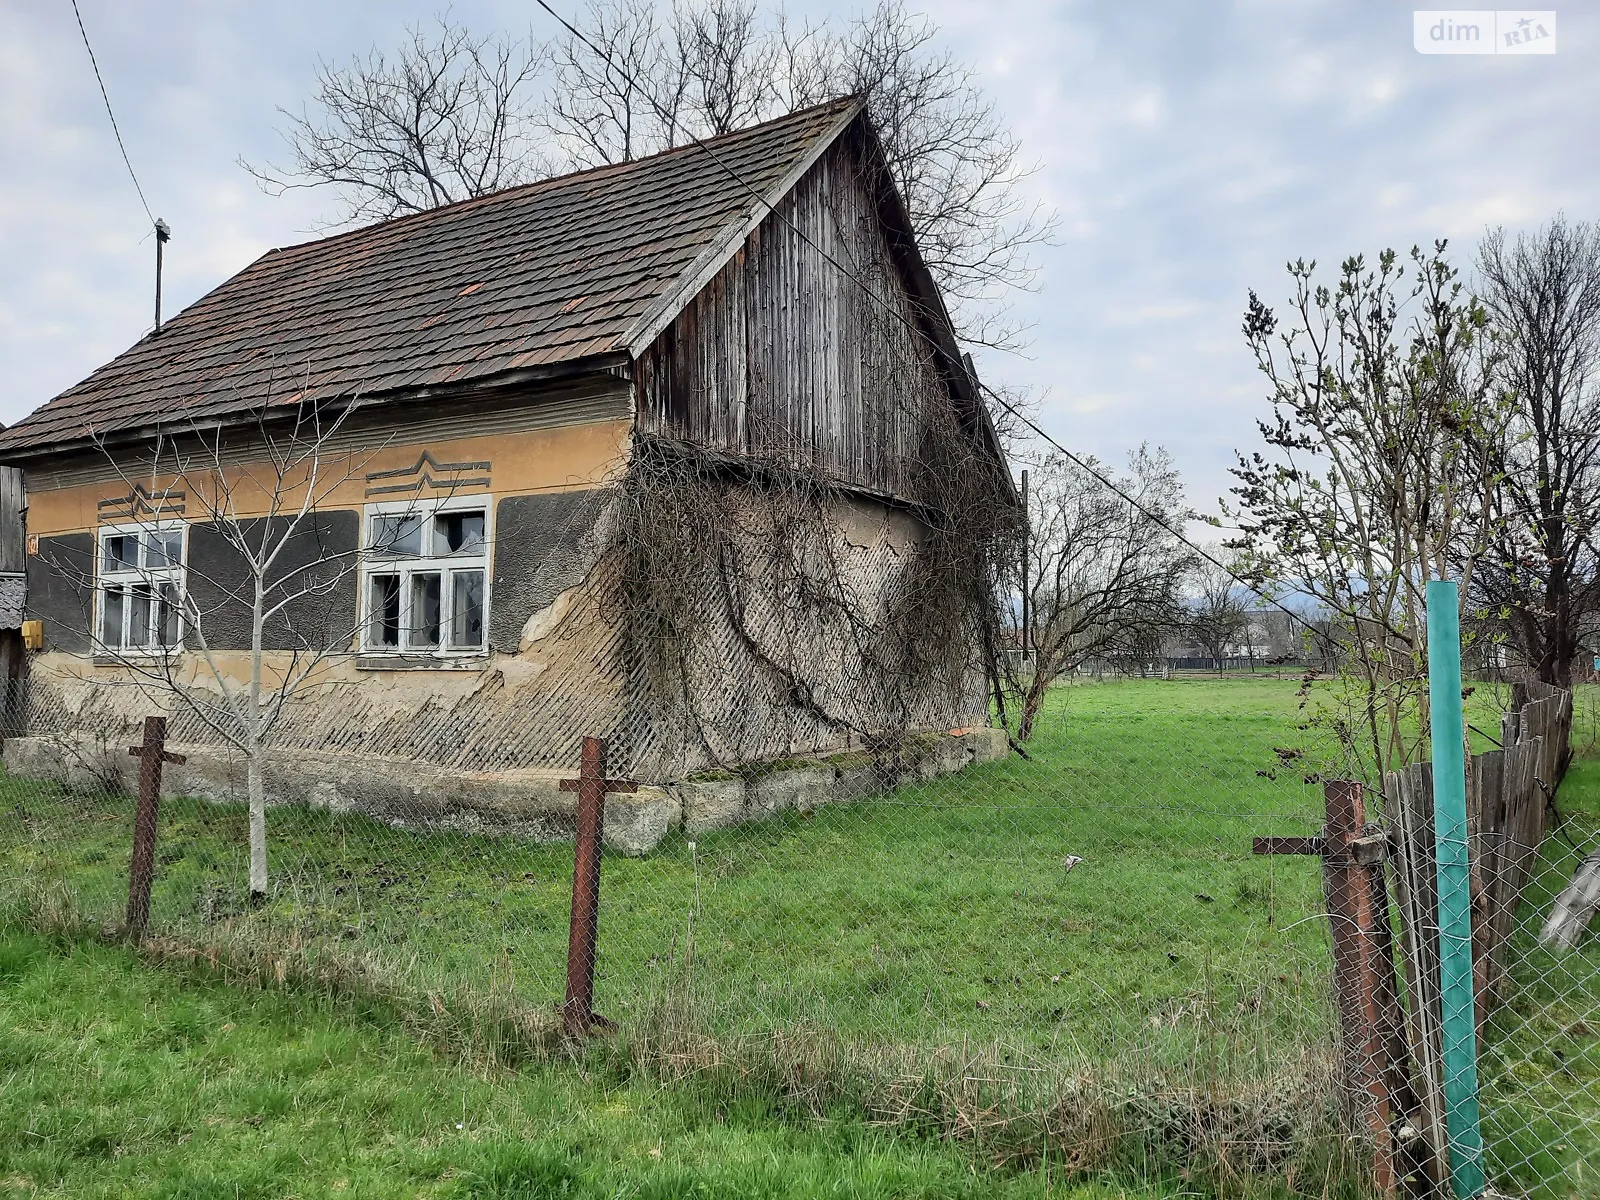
(1068, 952)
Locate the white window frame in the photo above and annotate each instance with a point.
(374, 563)
(153, 577)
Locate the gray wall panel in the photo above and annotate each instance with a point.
(321, 552)
(541, 548)
(60, 592)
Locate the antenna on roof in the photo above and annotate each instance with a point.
(163, 236)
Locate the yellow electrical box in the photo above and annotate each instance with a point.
(33, 635)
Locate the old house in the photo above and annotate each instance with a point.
(681, 452)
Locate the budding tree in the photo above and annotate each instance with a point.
(1376, 472)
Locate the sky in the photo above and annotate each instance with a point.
(1190, 149)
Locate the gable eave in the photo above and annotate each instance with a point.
(703, 269)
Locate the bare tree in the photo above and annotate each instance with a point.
(717, 65)
(1377, 473)
(1219, 607)
(1541, 585)
(447, 117)
(273, 576)
(732, 67)
(955, 162)
(1105, 577)
(452, 116)
(614, 96)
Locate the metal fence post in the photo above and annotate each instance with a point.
(141, 867)
(1459, 1024)
(583, 933)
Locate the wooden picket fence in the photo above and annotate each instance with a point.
(1510, 796)
(1389, 1013)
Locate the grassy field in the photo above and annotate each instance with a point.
(119, 1081)
(944, 912)
(941, 921)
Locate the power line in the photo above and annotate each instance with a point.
(112, 115)
(672, 127)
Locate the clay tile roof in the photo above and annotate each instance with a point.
(533, 276)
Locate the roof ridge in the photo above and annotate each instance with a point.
(839, 103)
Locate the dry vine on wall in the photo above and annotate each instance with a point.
(757, 622)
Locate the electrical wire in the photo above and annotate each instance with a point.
(1159, 519)
(118, 132)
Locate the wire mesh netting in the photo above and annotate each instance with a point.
(1070, 952)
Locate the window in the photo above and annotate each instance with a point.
(140, 590)
(424, 578)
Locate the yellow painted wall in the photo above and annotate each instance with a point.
(565, 458)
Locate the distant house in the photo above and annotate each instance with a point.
(523, 365)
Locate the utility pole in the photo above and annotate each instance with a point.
(163, 235)
(1026, 623)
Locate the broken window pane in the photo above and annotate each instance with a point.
(164, 549)
(138, 628)
(385, 602)
(111, 617)
(424, 610)
(122, 552)
(466, 610)
(168, 615)
(457, 532)
(398, 535)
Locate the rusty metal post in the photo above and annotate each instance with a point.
(578, 1015)
(1348, 865)
(583, 933)
(141, 869)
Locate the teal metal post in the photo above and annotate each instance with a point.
(1460, 1040)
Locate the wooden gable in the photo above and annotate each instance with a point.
(810, 344)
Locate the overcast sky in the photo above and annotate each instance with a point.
(1190, 148)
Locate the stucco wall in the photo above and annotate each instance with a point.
(559, 666)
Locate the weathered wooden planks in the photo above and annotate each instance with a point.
(1575, 907)
(1508, 800)
(786, 354)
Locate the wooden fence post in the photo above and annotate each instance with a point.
(141, 868)
(583, 933)
(1348, 862)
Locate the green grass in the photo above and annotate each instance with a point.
(940, 914)
(904, 931)
(120, 1081)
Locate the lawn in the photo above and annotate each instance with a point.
(119, 1081)
(939, 923)
(944, 912)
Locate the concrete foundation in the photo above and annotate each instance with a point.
(525, 803)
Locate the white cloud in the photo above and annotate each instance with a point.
(1190, 150)
(1147, 108)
